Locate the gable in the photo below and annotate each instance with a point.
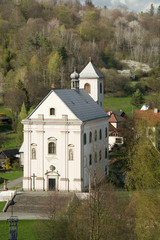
(75, 104)
(52, 101)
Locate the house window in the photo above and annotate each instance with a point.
(52, 111)
(100, 87)
(90, 137)
(95, 157)
(95, 135)
(100, 155)
(33, 153)
(106, 132)
(52, 148)
(84, 138)
(90, 159)
(106, 152)
(100, 134)
(118, 140)
(87, 88)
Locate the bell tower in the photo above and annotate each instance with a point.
(91, 80)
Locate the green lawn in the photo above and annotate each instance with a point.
(119, 103)
(2, 204)
(9, 142)
(25, 230)
(11, 175)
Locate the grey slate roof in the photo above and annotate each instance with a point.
(81, 104)
(90, 71)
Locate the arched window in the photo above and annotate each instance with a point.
(90, 159)
(95, 135)
(100, 90)
(106, 153)
(52, 148)
(33, 153)
(106, 132)
(52, 111)
(90, 137)
(100, 134)
(87, 88)
(100, 155)
(84, 138)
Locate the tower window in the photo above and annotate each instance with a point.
(87, 88)
(52, 111)
(100, 155)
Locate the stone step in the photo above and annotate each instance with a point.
(40, 203)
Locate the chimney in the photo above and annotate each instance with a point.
(155, 110)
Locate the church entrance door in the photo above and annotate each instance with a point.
(52, 184)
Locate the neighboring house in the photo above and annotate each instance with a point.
(115, 121)
(4, 119)
(115, 137)
(66, 136)
(11, 154)
(127, 73)
(152, 121)
(145, 107)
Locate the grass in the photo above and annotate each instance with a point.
(26, 230)
(10, 142)
(119, 103)
(11, 175)
(2, 204)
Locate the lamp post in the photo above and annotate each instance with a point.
(13, 222)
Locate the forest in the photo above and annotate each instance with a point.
(41, 43)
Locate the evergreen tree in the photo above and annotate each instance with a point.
(22, 115)
(137, 99)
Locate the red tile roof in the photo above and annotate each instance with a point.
(149, 116)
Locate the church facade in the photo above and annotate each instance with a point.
(66, 136)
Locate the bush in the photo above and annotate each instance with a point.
(16, 166)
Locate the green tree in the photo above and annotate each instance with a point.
(54, 65)
(137, 99)
(22, 115)
(144, 177)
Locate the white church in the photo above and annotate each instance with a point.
(66, 136)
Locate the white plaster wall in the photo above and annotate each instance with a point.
(69, 172)
(114, 124)
(53, 101)
(94, 87)
(112, 141)
(90, 148)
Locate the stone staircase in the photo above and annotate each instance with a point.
(40, 202)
